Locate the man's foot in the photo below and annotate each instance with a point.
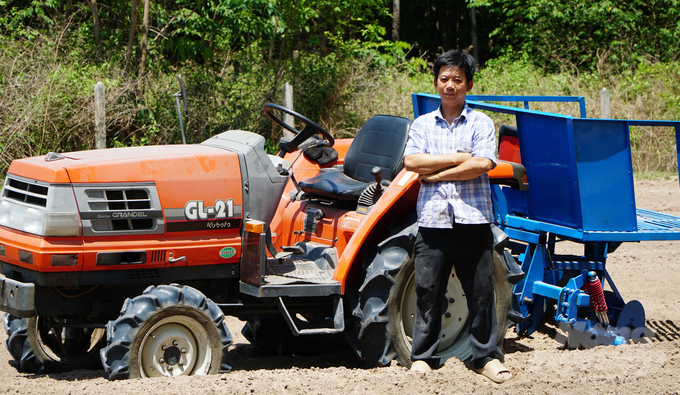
(420, 367)
(495, 371)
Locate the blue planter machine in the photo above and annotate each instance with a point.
(579, 187)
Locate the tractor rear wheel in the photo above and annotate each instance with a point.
(43, 345)
(167, 331)
(384, 305)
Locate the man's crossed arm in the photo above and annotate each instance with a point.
(457, 166)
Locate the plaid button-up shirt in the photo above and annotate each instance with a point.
(440, 204)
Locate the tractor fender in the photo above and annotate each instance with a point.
(402, 183)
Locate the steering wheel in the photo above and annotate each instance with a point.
(310, 129)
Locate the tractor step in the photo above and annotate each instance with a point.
(294, 290)
(338, 319)
(296, 269)
(307, 274)
(311, 263)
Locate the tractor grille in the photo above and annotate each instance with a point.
(25, 192)
(157, 256)
(115, 209)
(122, 201)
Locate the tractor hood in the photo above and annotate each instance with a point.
(184, 187)
(188, 182)
(131, 164)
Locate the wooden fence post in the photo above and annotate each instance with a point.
(288, 103)
(604, 104)
(99, 116)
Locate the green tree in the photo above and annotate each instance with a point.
(585, 35)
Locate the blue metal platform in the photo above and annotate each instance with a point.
(651, 225)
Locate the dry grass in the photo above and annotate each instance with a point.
(48, 105)
(46, 101)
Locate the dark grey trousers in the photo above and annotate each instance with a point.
(468, 248)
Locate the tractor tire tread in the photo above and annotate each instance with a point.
(121, 332)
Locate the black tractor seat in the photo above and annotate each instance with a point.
(379, 143)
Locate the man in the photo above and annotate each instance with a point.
(452, 149)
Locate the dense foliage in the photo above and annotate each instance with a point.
(578, 35)
(235, 55)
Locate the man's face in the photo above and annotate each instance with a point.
(452, 85)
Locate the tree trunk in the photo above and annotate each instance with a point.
(95, 22)
(473, 32)
(145, 38)
(131, 40)
(395, 20)
(286, 30)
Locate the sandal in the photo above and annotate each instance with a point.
(421, 367)
(492, 369)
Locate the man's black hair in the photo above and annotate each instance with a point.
(456, 59)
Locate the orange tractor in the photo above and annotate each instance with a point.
(131, 257)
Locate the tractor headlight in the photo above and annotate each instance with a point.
(33, 221)
(37, 221)
(5, 212)
(53, 213)
(61, 224)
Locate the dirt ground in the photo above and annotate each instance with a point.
(647, 271)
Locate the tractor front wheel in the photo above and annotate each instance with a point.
(167, 331)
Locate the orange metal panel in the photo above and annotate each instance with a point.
(399, 186)
(342, 145)
(502, 170)
(197, 250)
(185, 175)
(37, 169)
(42, 249)
(334, 229)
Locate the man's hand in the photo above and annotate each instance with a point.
(424, 178)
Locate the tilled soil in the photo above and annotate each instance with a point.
(647, 271)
